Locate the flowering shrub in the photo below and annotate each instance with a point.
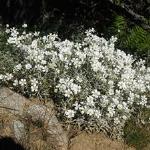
(95, 84)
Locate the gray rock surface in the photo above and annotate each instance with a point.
(12, 101)
(19, 129)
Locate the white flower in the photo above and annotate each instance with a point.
(18, 67)
(111, 91)
(82, 109)
(120, 107)
(90, 112)
(68, 93)
(43, 62)
(111, 82)
(45, 69)
(34, 88)
(111, 112)
(115, 101)
(70, 113)
(34, 44)
(15, 83)
(24, 32)
(90, 101)
(39, 67)
(122, 85)
(79, 79)
(143, 100)
(7, 30)
(24, 25)
(75, 88)
(76, 106)
(116, 121)
(1, 77)
(36, 33)
(67, 87)
(28, 66)
(34, 81)
(124, 117)
(97, 114)
(9, 76)
(34, 85)
(22, 82)
(95, 93)
(104, 101)
(40, 57)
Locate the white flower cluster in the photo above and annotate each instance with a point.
(96, 81)
(67, 87)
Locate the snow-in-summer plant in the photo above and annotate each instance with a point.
(95, 84)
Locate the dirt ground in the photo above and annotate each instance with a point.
(86, 141)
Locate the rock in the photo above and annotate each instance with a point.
(56, 132)
(12, 101)
(41, 113)
(19, 129)
(86, 141)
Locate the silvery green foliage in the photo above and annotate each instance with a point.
(98, 85)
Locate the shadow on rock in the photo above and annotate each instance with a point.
(7, 143)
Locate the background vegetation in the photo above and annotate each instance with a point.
(129, 17)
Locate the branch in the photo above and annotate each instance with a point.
(141, 19)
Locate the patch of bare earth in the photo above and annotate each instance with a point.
(87, 141)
